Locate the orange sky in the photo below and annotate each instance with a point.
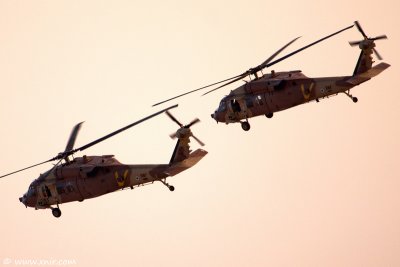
(317, 185)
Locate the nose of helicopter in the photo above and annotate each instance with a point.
(218, 116)
(214, 116)
(23, 199)
(28, 201)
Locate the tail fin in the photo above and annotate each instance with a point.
(182, 158)
(364, 62)
(367, 46)
(182, 148)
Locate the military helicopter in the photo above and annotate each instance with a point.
(87, 177)
(277, 91)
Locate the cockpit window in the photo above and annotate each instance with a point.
(222, 106)
(31, 190)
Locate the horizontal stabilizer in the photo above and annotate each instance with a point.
(192, 160)
(365, 76)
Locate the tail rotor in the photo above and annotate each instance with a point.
(367, 43)
(184, 130)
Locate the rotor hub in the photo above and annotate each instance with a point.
(183, 133)
(367, 44)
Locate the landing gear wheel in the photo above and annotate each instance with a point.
(269, 115)
(170, 187)
(245, 126)
(355, 99)
(56, 212)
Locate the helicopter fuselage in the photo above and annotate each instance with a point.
(88, 177)
(92, 176)
(276, 92)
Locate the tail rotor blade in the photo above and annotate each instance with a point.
(198, 140)
(380, 37)
(173, 118)
(354, 43)
(358, 25)
(193, 122)
(377, 54)
(173, 135)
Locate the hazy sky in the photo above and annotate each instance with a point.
(316, 185)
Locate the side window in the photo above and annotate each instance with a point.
(47, 191)
(280, 86)
(60, 189)
(70, 188)
(249, 102)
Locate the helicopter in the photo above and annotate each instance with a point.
(277, 91)
(87, 177)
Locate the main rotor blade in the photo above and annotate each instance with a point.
(277, 53)
(358, 25)
(252, 70)
(265, 64)
(173, 118)
(26, 168)
(228, 83)
(198, 89)
(262, 66)
(120, 130)
(72, 137)
(305, 47)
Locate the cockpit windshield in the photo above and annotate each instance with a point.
(32, 189)
(222, 106)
